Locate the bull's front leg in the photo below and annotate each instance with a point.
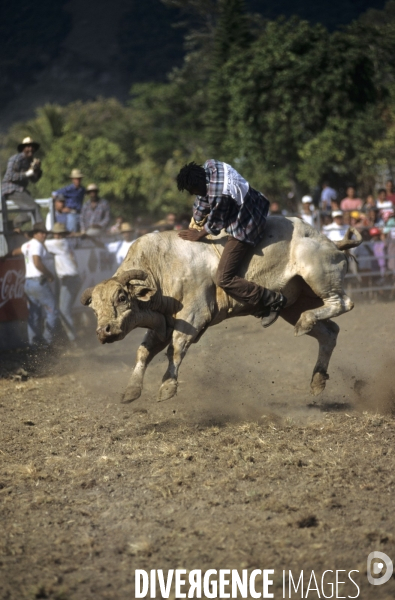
(185, 332)
(149, 348)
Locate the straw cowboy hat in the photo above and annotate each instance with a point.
(92, 187)
(60, 228)
(27, 141)
(125, 227)
(76, 174)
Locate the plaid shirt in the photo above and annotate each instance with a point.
(231, 204)
(15, 179)
(95, 215)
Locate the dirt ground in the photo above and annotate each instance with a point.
(241, 470)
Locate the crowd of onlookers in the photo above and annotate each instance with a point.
(373, 216)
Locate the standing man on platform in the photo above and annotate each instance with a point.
(22, 169)
(74, 196)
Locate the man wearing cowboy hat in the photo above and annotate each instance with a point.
(21, 169)
(121, 247)
(96, 212)
(43, 314)
(58, 215)
(74, 197)
(67, 274)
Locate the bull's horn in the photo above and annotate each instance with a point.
(346, 243)
(86, 296)
(127, 276)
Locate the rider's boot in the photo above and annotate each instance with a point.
(269, 307)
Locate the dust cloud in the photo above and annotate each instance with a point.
(240, 372)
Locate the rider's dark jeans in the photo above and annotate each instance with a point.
(238, 288)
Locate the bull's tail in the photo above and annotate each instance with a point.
(346, 243)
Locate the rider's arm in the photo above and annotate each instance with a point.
(218, 215)
(201, 208)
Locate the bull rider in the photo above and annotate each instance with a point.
(225, 200)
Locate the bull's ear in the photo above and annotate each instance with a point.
(144, 293)
(127, 276)
(86, 297)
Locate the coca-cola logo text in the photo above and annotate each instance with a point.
(11, 286)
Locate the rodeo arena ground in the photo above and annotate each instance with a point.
(253, 470)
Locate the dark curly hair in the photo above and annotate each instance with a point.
(189, 176)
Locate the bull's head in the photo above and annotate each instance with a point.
(115, 302)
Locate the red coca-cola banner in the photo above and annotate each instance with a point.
(13, 306)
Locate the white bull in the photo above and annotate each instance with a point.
(168, 285)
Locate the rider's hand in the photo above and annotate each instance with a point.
(192, 235)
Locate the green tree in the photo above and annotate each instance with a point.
(231, 38)
(295, 82)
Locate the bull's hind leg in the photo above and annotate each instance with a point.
(149, 348)
(325, 332)
(333, 306)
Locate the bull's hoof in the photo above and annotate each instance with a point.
(167, 390)
(305, 325)
(318, 383)
(130, 394)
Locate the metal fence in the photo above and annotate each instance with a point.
(373, 271)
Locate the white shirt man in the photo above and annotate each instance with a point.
(308, 207)
(43, 313)
(336, 230)
(65, 262)
(67, 272)
(33, 248)
(121, 247)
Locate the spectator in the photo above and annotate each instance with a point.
(382, 202)
(67, 273)
(389, 230)
(74, 196)
(350, 202)
(121, 247)
(372, 218)
(274, 209)
(171, 220)
(21, 170)
(356, 218)
(166, 224)
(59, 215)
(370, 202)
(328, 195)
(389, 188)
(389, 223)
(307, 208)
(116, 228)
(364, 254)
(95, 212)
(347, 218)
(378, 246)
(43, 314)
(337, 229)
(326, 219)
